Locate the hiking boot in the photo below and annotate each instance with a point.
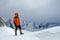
(15, 32)
(21, 33)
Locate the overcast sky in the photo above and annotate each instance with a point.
(34, 10)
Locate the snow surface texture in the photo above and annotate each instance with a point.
(7, 33)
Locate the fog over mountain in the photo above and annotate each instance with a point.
(40, 11)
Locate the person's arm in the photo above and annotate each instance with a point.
(14, 22)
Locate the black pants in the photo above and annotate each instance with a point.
(16, 27)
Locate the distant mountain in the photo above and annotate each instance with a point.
(2, 23)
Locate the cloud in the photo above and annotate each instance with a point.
(37, 10)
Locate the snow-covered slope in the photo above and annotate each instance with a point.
(7, 33)
(47, 34)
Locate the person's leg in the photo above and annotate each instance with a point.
(15, 30)
(20, 29)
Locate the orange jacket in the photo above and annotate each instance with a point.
(16, 19)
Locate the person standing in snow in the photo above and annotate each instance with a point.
(16, 21)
